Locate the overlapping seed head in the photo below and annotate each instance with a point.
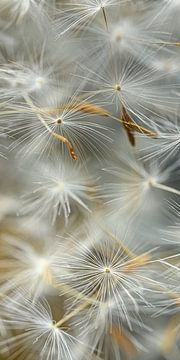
(89, 181)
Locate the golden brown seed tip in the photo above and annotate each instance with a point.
(73, 155)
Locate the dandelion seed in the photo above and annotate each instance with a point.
(81, 14)
(21, 264)
(116, 281)
(126, 84)
(57, 187)
(39, 129)
(134, 182)
(20, 79)
(37, 331)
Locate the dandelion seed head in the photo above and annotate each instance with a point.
(39, 82)
(57, 190)
(117, 87)
(107, 270)
(59, 121)
(122, 33)
(89, 80)
(34, 320)
(42, 265)
(150, 182)
(118, 34)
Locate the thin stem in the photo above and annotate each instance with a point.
(68, 289)
(158, 42)
(30, 103)
(105, 18)
(72, 314)
(165, 188)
